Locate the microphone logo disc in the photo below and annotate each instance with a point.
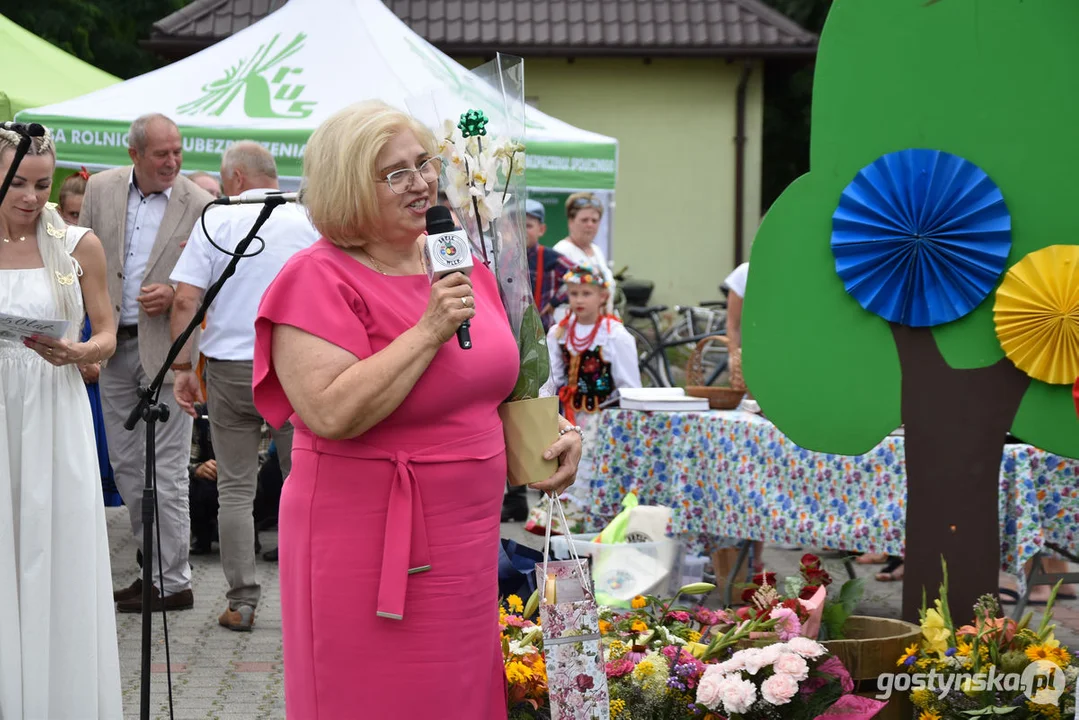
(449, 251)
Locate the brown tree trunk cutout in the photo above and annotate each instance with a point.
(955, 422)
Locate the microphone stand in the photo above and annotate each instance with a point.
(153, 411)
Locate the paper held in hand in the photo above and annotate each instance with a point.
(14, 327)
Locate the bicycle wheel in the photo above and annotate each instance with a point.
(681, 339)
(650, 376)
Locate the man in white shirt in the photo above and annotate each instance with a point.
(228, 343)
(143, 213)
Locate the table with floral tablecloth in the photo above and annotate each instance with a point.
(733, 475)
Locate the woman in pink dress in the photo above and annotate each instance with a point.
(389, 521)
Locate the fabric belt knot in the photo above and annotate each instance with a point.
(404, 549)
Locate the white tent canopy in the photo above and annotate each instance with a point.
(276, 81)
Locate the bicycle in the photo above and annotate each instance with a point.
(696, 323)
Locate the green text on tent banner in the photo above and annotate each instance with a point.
(104, 143)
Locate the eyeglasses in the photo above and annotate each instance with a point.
(583, 202)
(400, 181)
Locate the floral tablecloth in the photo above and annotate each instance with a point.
(733, 475)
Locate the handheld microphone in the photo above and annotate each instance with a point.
(255, 198)
(33, 129)
(447, 251)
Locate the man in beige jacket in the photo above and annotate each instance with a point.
(143, 213)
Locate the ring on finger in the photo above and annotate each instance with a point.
(464, 301)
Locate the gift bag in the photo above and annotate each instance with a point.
(576, 675)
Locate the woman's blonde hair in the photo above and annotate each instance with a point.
(52, 241)
(340, 181)
(579, 201)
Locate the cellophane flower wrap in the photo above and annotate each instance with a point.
(483, 150)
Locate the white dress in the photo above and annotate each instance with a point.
(58, 651)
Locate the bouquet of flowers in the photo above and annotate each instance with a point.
(993, 666)
(805, 597)
(483, 153)
(522, 655)
(669, 662)
(795, 679)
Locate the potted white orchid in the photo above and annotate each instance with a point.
(481, 179)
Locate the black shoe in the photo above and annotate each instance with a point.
(270, 555)
(133, 590)
(514, 508)
(183, 600)
(201, 548)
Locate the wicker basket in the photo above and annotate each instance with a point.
(719, 398)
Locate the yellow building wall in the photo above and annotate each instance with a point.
(675, 124)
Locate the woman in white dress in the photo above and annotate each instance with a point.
(583, 214)
(58, 652)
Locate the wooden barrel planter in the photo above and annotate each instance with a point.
(872, 647)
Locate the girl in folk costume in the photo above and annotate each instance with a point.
(592, 354)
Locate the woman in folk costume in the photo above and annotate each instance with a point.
(592, 354)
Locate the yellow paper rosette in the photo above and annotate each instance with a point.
(1036, 314)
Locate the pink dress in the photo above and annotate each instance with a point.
(389, 541)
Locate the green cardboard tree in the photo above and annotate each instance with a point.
(992, 82)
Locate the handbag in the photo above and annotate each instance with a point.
(572, 649)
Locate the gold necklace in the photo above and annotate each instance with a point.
(378, 265)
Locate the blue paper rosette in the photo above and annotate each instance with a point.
(921, 237)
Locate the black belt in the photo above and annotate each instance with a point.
(126, 332)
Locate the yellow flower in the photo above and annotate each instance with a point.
(964, 648)
(922, 698)
(638, 626)
(908, 655)
(638, 602)
(604, 627)
(1048, 711)
(929, 715)
(515, 604)
(935, 632)
(1061, 656)
(1040, 652)
(924, 663)
(617, 706)
(644, 669)
(517, 673)
(693, 636)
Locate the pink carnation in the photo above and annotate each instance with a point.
(618, 668)
(709, 686)
(517, 622)
(771, 653)
(793, 665)
(737, 695)
(779, 689)
(787, 625)
(753, 659)
(805, 647)
(678, 616)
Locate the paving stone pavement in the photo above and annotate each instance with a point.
(223, 675)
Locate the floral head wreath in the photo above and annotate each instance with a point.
(585, 274)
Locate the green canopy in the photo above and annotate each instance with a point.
(45, 73)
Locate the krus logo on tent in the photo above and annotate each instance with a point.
(270, 88)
